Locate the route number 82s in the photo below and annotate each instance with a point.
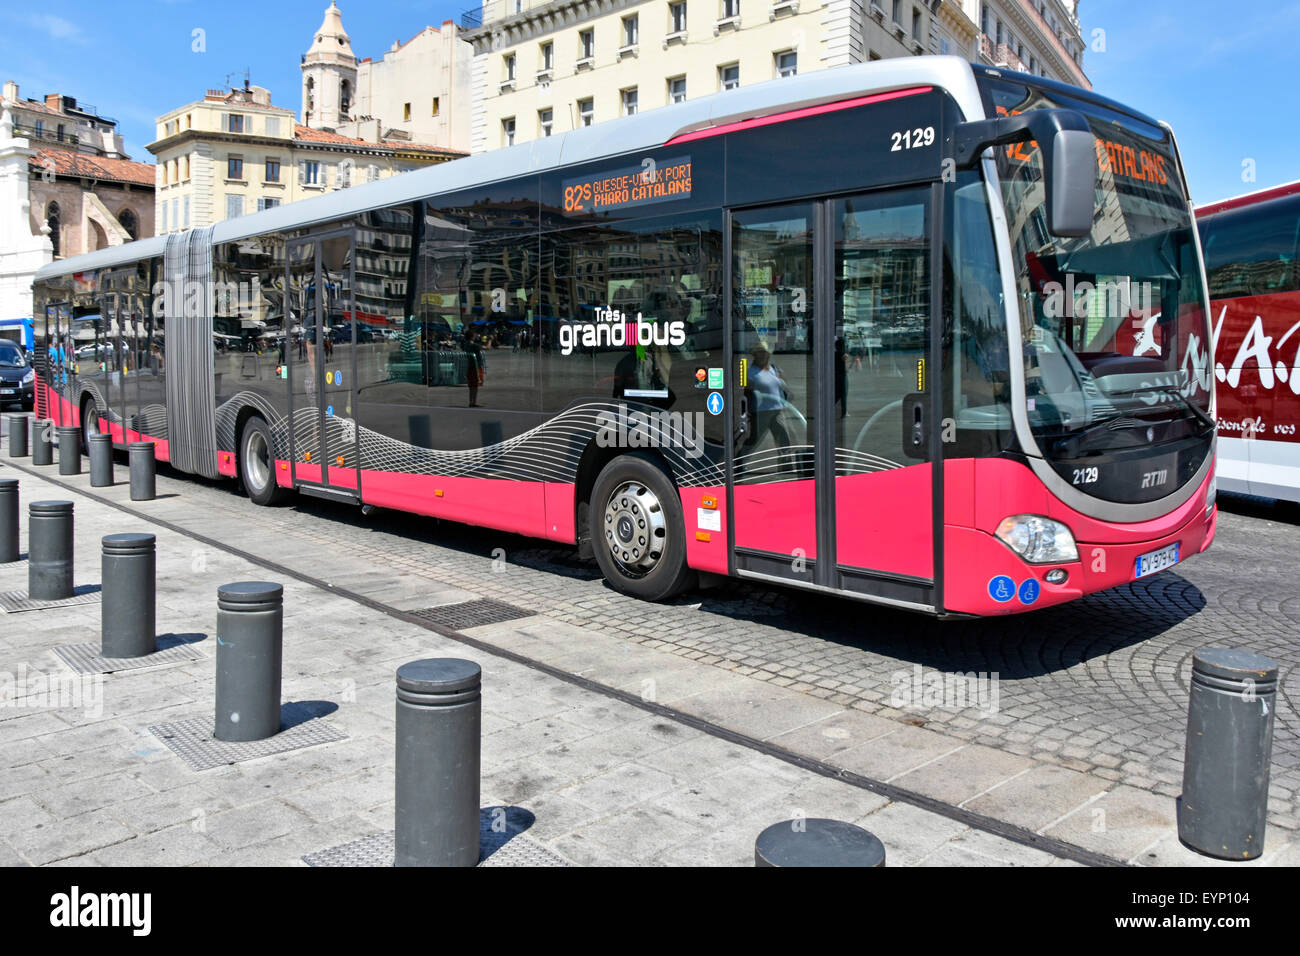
(912, 138)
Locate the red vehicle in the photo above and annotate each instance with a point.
(916, 332)
(1252, 260)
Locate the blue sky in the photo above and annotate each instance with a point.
(1225, 81)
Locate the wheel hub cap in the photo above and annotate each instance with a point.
(635, 528)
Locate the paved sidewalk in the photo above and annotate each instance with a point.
(607, 782)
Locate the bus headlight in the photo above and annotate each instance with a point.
(1037, 539)
(1211, 492)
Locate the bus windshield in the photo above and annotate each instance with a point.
(1117, 350)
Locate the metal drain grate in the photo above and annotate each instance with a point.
(472, 613)
(11, 602)
(86, 659)
(378, 850)
(192, 741)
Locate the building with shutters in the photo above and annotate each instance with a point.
(234, 153)
(547, 66)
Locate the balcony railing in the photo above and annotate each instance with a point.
(471, 19)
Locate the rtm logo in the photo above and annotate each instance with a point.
(614, 329)
(73, 909)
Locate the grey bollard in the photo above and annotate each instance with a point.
(101, 461)
(143, 470)
(49, 550)
(17, 436)
(42, 438)
(439, 727)
(128, 565)
(8, 520)
(1229, 743)
(69, 450)
(817, 842)
(250, 643)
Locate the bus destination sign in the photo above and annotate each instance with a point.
(650, 182)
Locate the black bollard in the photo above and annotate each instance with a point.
(143, 471)
(8, 520)
(817, 842)
(17, 436)
(49, 550)
(439, 727)
(1229, 744)
(69, 450)
(42, 442)
(101, 461)
(128, 565)
(250, 642)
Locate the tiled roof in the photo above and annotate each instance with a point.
(30, 105)
(69, 162)
(307, 134)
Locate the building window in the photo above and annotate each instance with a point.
(52, 219)
(677, 89)
(185, 212)
(586, 112)
(272, 170)
(586, 44)
(166, 173)
(273, 126)
(310, 173)
(508, 131)
(266, 203)
(234, 167)
(545, 121)
(345, 99)
(235, 123)
(130, 225)
(729, 76)
(677, 13)
(406, 112)
(787, 64)
(730, 9)
(435, 107)
(186, 175)
(510, 67)
(548, 56)
(234, 207)
(629, 102)
(60, 132)
(916, 24)
(897, 12)
(519, 6)
(943, 45)
(630, 33)
(40, 129)
(999, 33)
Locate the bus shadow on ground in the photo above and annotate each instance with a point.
(1031, 644)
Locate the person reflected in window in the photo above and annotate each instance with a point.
(769, 389)
(475, 366)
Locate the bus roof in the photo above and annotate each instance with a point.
(1248, 199)
(647, 130)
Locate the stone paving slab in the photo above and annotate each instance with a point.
(603, 778)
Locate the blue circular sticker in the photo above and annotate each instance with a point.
(715, 403)
(330, 411)
(338, 378)
(1029, 591)
(1002, 588)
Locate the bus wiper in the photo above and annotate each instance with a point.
(1176, 391)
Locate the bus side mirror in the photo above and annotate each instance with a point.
(1069, 160)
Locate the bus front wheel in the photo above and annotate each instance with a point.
(637, 529)
(257, 463)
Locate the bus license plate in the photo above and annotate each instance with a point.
(1154, 561)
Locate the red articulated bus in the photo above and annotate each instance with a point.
(916, 332)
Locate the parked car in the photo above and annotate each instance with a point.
(17, 377)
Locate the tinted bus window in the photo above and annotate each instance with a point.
(1253, 251)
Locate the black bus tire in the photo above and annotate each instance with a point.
(89, 422)
(637, 529)
(257, 463)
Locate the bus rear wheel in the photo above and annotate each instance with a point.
(89, 424)
(257, 463)
(637, 529)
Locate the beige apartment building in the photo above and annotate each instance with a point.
(546, 66)
(234, 153)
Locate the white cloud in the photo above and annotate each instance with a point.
(57, 27)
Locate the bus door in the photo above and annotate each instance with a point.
(829, 478)
(321, 361)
